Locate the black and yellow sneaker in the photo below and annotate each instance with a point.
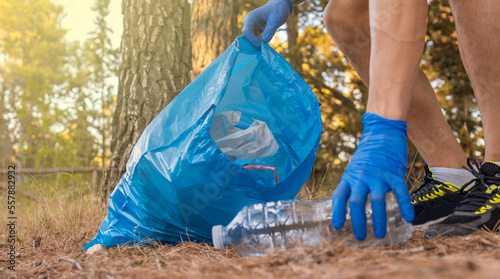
(434, 199)
(480, 210)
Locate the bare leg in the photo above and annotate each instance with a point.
(397, 30)
(347, 22)
(478, 30)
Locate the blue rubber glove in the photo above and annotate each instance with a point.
(266, 19)
(378, 166)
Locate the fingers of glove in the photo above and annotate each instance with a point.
(249, 27)
(357, 208)
(339, 204)
(270, 30)
(404, 200)
(253, 40)
(379, 211)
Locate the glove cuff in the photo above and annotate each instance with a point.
(375, 122)
(289, 2)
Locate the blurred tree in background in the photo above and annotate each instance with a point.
(52, 91)
(214, 26)
(101, 64)
(33, 76)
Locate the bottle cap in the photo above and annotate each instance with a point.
(217, 237)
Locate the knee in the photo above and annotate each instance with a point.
(347, 22)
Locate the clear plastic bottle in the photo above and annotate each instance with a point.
(260, 228)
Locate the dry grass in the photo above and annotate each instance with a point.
(55, 226)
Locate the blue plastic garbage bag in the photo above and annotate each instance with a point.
(179, 184)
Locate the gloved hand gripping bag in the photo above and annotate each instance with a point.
(179, 184)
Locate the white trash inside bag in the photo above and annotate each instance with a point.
(256, 141)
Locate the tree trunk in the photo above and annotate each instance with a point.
(214, 28)
(156, 65)
(295, 57)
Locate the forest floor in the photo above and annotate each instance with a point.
(52, 231)
(475, 256)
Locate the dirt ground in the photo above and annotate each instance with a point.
(476, 256)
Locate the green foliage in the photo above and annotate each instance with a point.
(33, 49)
(54, 100)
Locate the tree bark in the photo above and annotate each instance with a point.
(295, 57)
(214, 28)
(156, 65)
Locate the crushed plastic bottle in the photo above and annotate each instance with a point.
(260, 228)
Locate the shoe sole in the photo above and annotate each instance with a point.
(429, 223)
(457, 230)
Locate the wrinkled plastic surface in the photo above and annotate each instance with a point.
(256, 141)
(179, 184)
(377, 166)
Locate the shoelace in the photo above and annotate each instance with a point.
(477, 195)
(428, 185)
